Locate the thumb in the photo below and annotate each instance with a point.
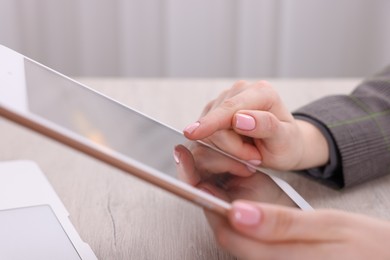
(281, 224)
(258, 124)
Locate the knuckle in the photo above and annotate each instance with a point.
(198, 152)
(227, 99)
(239, 85)
(264, 83)
(328, 216)
(283, 223)
(223, 94)
(266, 88)
(229, 104)
(208, 106)
(271, 123)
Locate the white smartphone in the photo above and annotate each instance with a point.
(58, 107)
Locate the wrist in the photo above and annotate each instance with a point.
(315, 147)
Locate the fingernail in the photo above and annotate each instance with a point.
(251, 168)
(245, 122)
(176, 156)
(254, 162)
(246, 214)
(192, 127)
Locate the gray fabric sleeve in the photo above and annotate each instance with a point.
(359, 124)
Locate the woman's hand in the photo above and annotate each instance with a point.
(224, 177)
(251, 122)
(263, 231)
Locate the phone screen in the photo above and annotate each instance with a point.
(128, 132)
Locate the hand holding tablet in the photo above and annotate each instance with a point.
(60, 108)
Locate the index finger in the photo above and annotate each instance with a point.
(260, 96)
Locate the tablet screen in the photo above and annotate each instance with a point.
(114, 126)
(34, 233)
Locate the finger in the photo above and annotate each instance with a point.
(245, 247)
(271, 223)
(185, 165)
(274, 139)
(214, 191)
(212, 104)
(258, 124)
(187, 172)
(259, 96)
(238, 87)
(258, 187)
(208, 161)
(235, 145)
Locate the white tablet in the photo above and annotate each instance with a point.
(34, 223)
(69, 112)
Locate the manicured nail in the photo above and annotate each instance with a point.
(176, 156)
(254, 162)
(251, 168)
(192, 127)
(252, 165)
(245, 122)
(246, 214)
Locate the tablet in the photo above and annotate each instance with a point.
(58, 107)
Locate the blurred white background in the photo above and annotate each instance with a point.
(201, 38)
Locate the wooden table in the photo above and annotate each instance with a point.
(122, 217)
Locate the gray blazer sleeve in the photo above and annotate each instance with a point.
(359, 124)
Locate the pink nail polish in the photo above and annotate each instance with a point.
(246, 214)
(176, 156)
(254, 162)
(252, 165)
(245, 122)
(192, 127)
(251, 168)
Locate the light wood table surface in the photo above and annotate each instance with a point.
(122, 217)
